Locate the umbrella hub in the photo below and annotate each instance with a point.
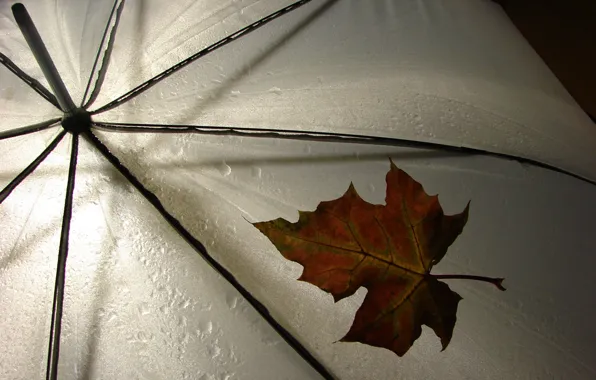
(77, 122)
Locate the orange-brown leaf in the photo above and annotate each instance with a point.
(389, 249)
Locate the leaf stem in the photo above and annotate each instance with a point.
(498, 282)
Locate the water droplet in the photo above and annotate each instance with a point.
(232, 301)
(256, 172)
(214, 351)
(111, 316)
(276, 90)
(205, 328)
(372, 188)
(144, 309)
(144, 336)
(235, 93)
(225, 169)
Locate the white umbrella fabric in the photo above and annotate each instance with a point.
(412, 80)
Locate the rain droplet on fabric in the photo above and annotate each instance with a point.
(111, 316)
(276, 90)
(225, 169)
(144, 336)
(232, 301)
(185, 339)
(235, 93)
(144, 309)
(256, 172)
(205, 328)
(214, 351)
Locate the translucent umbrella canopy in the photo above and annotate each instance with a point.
(140, 303)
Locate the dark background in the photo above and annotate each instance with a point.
(563, 33)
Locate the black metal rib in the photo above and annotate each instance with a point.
(202, 251)
(290, 134)
(42, 57)
(117, 11)
(29, 129)
(29, 169)
(234, 36)
(56, 326)
(30, 81)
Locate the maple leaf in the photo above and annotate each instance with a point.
(389, 249)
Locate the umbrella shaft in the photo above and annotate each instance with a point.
(42, 56)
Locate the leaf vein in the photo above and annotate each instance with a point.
(418, 251)
(351, 251)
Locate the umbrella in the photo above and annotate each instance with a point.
(208, 115)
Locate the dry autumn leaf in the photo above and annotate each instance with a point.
(389, 249)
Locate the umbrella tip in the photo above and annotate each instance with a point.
(18, 9)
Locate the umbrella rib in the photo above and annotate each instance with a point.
(42, 56)
(211, 48)
(56, 323)
(317, 136)
(31, 168)
(29, 129)
(202, 251)
(29, 80)
(116, 10)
